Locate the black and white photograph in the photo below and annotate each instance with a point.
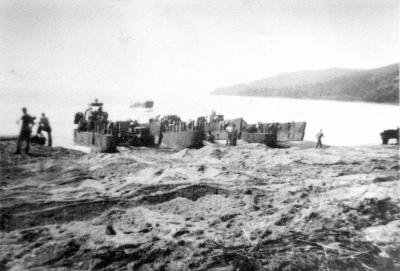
(179, 135)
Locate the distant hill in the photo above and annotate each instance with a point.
(379, 85)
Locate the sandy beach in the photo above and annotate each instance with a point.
(132, 96)
(248, 207)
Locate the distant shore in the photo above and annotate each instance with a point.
(310, 98)
(378, 85)
(8, 137)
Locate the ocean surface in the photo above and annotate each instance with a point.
(343, 123)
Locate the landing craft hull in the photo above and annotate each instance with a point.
(181, 140)
(219, 130)
(97, 142)
(289, 131)
(267, 139)
(155, 131)
(220, 135)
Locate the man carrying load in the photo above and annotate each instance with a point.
(44, 125)
(25, 132)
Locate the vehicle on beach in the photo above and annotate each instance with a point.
(131, 133)
(141, 136)
(386, 135)
(217, 125)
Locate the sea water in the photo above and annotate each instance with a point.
(343, 123)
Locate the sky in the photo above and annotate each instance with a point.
(139, 49)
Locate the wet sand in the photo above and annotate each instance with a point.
(216, 208)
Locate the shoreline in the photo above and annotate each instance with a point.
(344, 129)
(310, 99)
(301, 144)
(8, 138)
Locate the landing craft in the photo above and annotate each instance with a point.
(96, 103)
(265, 133)
(386, 135)
(270, 133)
(101, 135)
(147, 104)
(172, 132)
(217, 125)
(97, 132)
(93, 129)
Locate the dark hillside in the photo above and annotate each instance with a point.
(379, 85)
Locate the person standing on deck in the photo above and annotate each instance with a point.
(319, 139)
(44, 125)
(25, 132)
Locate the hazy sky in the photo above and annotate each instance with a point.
(132, 47)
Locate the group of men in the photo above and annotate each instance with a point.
(28, 122)
(97, 119)
(232, 135)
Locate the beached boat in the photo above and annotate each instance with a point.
(171, 132)
(217, 125)
(92, 129)
(267, 139)
(183, 139)
(97, 142)
(146, 104)
(288, 131)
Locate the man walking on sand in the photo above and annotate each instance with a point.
(319, 138)
(25, 132)
(44, 125)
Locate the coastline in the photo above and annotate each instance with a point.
(310, 99)
(8, 137)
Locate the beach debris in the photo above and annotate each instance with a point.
(180, 232)
(147, 227)
(110, 230)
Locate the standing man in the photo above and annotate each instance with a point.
(319, 138)
(44, 125)
(235, 135)
(229, 132)
(210, 137)
(25, 132)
